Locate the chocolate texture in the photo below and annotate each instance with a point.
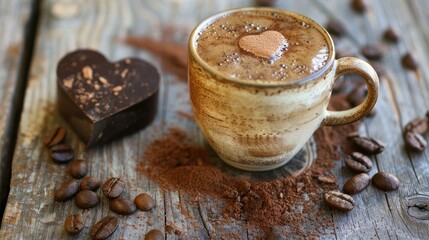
(103, 101)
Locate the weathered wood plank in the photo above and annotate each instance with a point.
(14, 56)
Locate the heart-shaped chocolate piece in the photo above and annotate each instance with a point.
(269, 44)
(103, 100)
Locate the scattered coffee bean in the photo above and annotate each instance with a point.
(391, 35)
(276, 233)
(55, 137)
(144, 202)
(358, 162)
(339, 201)
(367, 144)
(356, 183)
(357, 95)
(408, 61)
(336, 27)
(78, 168)
(122, 206)
(154, 234)
(265, 3)
(326, 179)
(385, 181)
(113, 187)
(67, 190)
(359, 6)
(86, 199)
(90, 183)
(372, 52)
(74, 224)
(61, 153)
(104, 228)
(418, 125)
(415, 142)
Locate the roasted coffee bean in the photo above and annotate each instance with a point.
(78, 168)
(122, 206)
(415, 142)
(357, 162)
(391, 35)
(336, 27)
(356, 183)
(104, 228)
(113, 187)
(372, 52)
(339, 201)
(55, 137)
(67, 190)
(359, 6)
(326, 179)
(154, 234)
(367, 144)
(276, 233)
(418, 125)
(408, 61)
(144, 202)
(265, 3)
(86, 199)
(61, 153)
(385, 181)
(357, 95)
(74, 224)
(90, 183)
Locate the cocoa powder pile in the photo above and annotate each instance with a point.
(293, 203)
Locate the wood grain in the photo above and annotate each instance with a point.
(31, 212)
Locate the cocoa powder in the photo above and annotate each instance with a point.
(175, 163)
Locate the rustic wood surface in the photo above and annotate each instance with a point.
(31, 212)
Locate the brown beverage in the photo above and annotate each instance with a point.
(302, 52)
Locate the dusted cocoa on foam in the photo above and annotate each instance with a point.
(304, 53)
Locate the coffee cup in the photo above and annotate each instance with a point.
(260, 80)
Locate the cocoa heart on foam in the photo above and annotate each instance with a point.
(268, 44)
(102, 100)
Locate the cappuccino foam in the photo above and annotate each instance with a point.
(304, 51)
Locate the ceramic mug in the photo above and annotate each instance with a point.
(259, 126)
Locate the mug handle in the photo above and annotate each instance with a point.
(367, 72)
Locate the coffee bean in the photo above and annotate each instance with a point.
(415, 142)
(55, 137)
(356, 183)
(372, 52)
(144, 202)
(78, 168)
(90, 183)
(339, 201)
(86, 199)
(67, 190)
(265, 3)
(154, 234)
(336, 27)
(74, 224)
(357, 162)
(104, 228)
(61, 153)
(122, 206)
(367, 144)
(359, 6)
(408, 61)
(113, 187)
(391, 35)
(418, 125)
(385, 181)
(326, 179)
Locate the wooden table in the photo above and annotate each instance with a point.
(35, 34)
